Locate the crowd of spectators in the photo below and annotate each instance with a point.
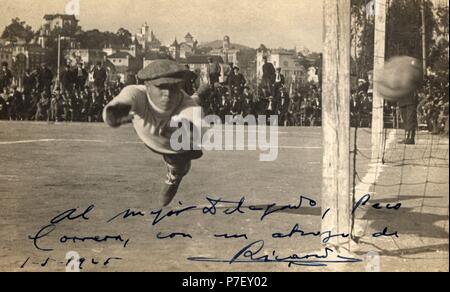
(433, 105)
(294, 104)
(293, 107)
(41, 99)
(433, 113)
(75, 99)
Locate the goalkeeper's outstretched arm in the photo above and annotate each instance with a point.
(120, 110)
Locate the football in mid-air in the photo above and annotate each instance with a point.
(400, 77)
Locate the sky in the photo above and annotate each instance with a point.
(274, 23)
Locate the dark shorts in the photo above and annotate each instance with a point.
(180, 158)
(409, 117)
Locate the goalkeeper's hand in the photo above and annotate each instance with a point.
(116, 115)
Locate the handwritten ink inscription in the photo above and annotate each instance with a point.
(52, 236)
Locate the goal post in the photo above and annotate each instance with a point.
(336, 195)
(379, 60)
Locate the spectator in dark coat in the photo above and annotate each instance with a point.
(190, 85)
(214, 71)
(45, 79)
(293, 112)
(95, 107)
(15, 105)
(224, 108)
(81, 76)
(85, 105)
(100, 76)
(268, 78)
(408, 110)
(235, 107)
(283, 108)
(3, 106)
(5, 77)
(68, 79)
(25, 105)
(278, 84)
(77, 104)
(29, 82)
(248, 107)
(237, 80)
(34, 100)
(365, 110)
(43, 108)
(55, 107)
(228, 72)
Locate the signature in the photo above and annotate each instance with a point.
(253, 253)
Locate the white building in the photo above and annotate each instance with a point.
(85, 56)
(199, 64)
(66, 24)
(34, 54)
(227, 53)
(147, 39)
(132, 50)
(188, 47)
(120, 59)
(288, 61)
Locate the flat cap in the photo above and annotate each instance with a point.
(162, 72)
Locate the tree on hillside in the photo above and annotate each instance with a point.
(124, 36)
(439, 56)
(96, 39)
(18, 30)
(362, 38)
(262, 48)
(403, 31)
(404, 28)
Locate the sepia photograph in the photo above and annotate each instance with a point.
(251, 136)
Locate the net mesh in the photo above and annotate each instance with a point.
(416, 176)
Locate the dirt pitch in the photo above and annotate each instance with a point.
(47, 169)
